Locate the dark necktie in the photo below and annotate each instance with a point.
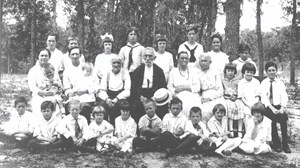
(130, 56)
(197, 126)
(271, 91)
(77, 129)
(192, 53)
(150, 124)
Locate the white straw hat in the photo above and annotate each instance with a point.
(162, 96)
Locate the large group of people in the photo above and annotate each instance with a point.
(137, 100)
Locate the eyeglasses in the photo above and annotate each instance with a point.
(148, 55)
(184, 58)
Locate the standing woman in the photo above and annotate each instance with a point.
(163, 59)
(184, 83)
(36, 76)
(132, 51)
(218, 58)
(103, 60)
(191, 46)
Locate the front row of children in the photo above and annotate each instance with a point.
(175, 133)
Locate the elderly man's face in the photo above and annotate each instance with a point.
(149, 58)
(116, 65)
(204, 63)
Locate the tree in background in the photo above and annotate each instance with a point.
(259, 37)
(232, 9)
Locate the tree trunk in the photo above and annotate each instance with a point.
(259, 37)
(33, 34)
(232, 10)
(211, 24)
(1, 60)
(80, 26)
(293, 44)
(54, 14)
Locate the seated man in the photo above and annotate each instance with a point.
(146, 79)
(115, 85)
(178, 134)
(150, 126)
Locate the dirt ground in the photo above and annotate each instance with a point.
(11, 157)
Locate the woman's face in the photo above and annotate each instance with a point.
(107, 47)
(161, 45)
(74, 55)
(192, 36)
(183, 59)
(216, 44)
(43, 57)
(132, 37)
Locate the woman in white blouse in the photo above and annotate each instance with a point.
(184, 83)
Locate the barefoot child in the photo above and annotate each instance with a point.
(102, 131)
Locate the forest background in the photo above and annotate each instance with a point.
(26, 23)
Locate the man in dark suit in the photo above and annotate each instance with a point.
(145, 80)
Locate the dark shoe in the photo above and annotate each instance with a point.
(210, 150)
(226, 152)
(278, 149)
(286, 148)
(219, 155)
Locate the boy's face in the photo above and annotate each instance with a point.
(150, 109)
(73, 43)
(125, 114)
(75, 110)
(51, 42)
(21, 107)
(229, 73)
(47, 113)
(99, 117)
(271, 72)
(219, 115)
(176, 109)
(248, 75)
(195, 117)
(245, 55)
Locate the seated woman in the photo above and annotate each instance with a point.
(115, 85)
(184, 83)
(211, 88)
(217, 125)
(258, 133)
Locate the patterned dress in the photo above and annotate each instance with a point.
(234, 108)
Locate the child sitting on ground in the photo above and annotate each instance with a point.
(178, 134)
(258, 133)
(20, 125)
(150, 126)
(102, 131)
(73, 128)
(125, 129)
(204, 143)
(45, 131)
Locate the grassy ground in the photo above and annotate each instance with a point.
(10, 157)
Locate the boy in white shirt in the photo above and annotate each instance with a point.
(45, 132)
(177, 133)
(204, 143)
(150, 126)
(73, 128)
(102, 131)
(20, 126)
(125, 129)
